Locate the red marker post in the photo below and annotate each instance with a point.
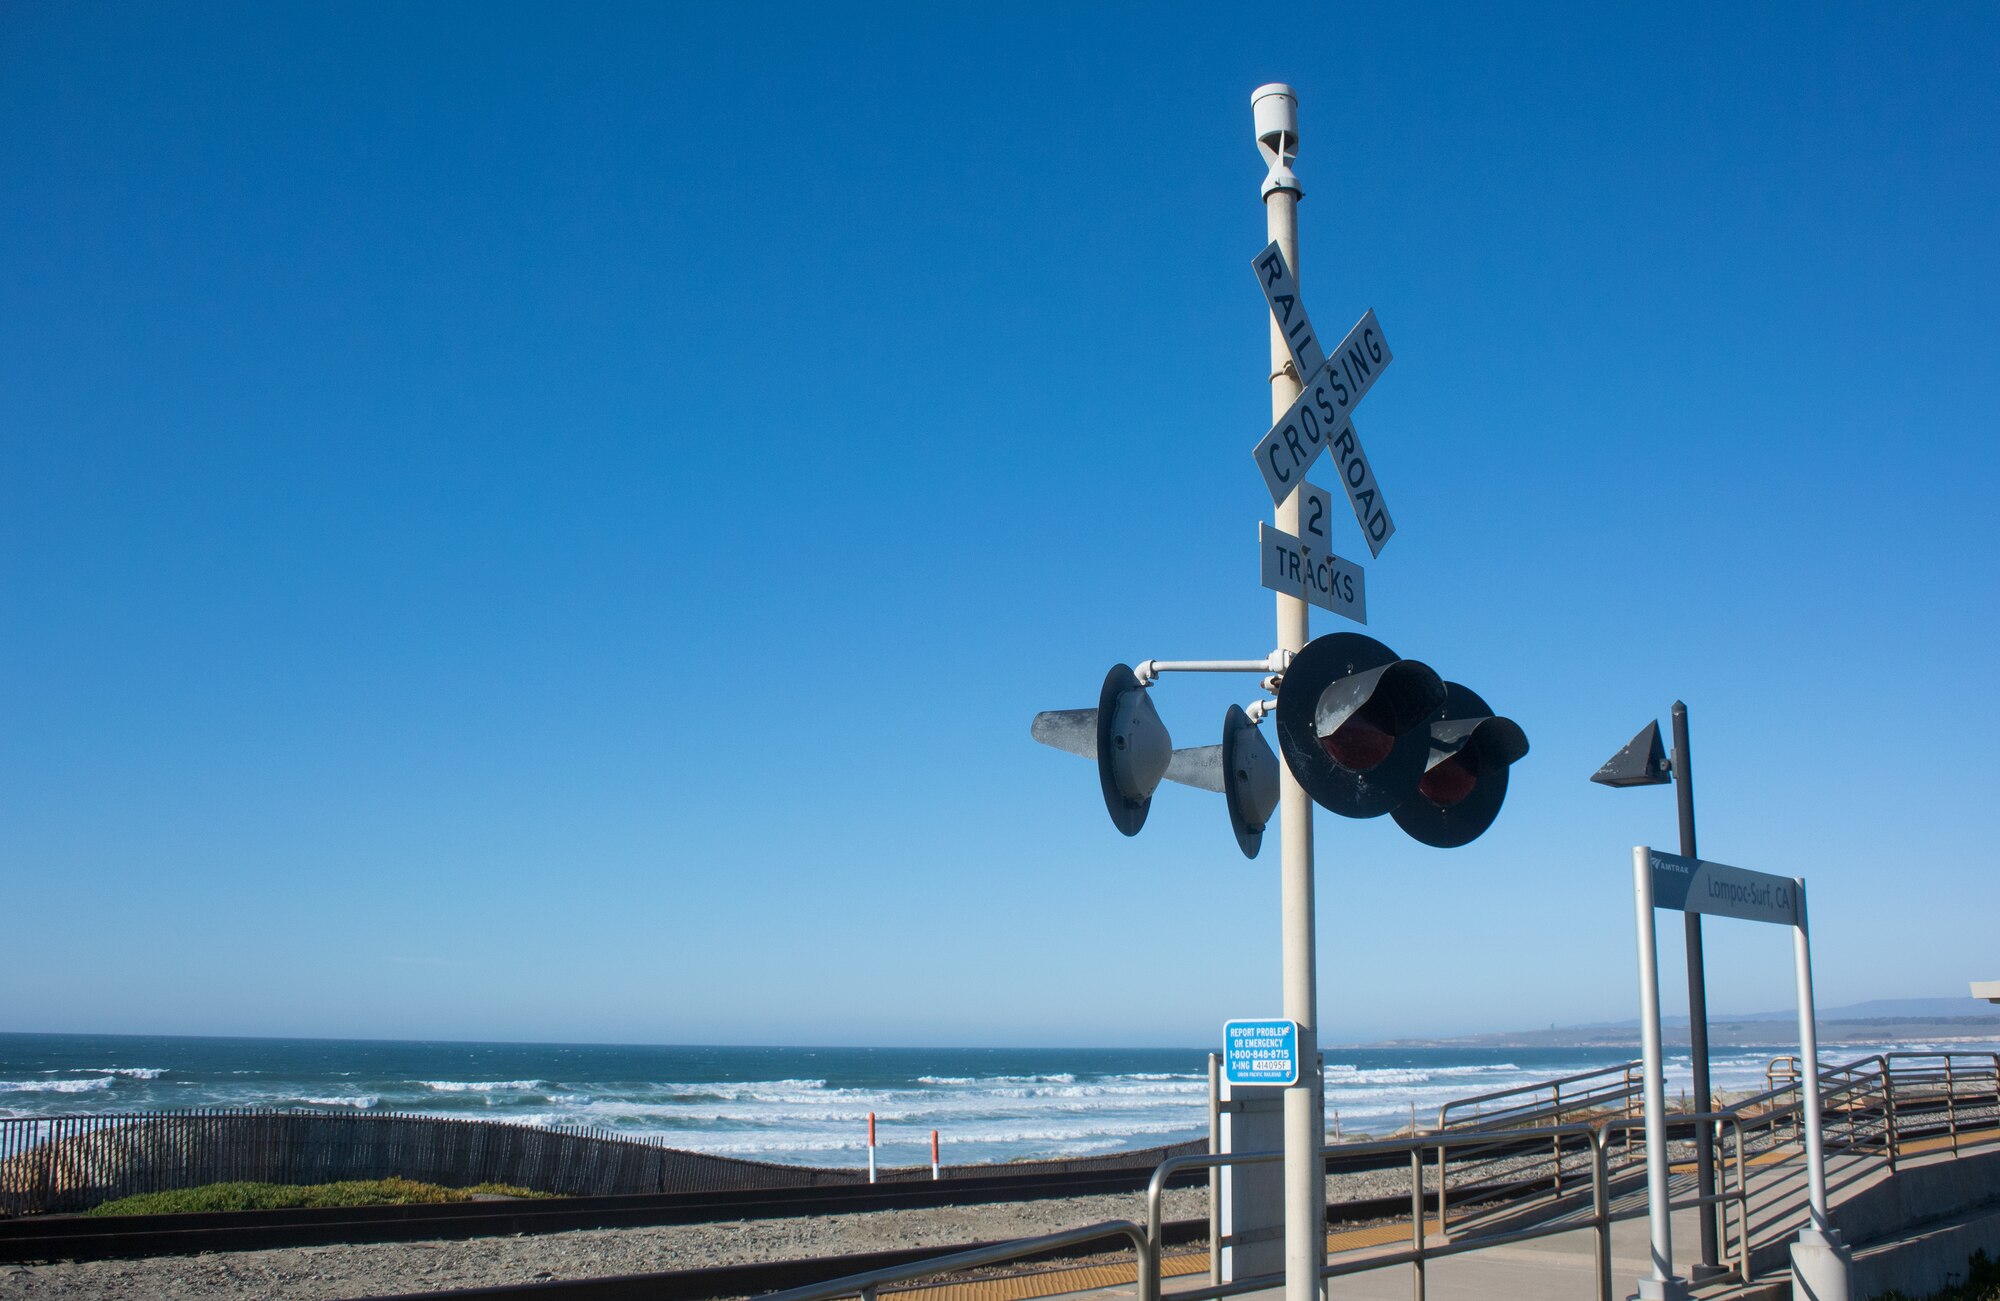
(934, 1165)
(871, 1147)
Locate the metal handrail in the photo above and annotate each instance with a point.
(1624, 1070)
(1731, 1124)
(864, 1285)
(1764, 1111)
(1947, 1074)
(1722, 1196)
(1419, 1250)
(1550, 1102)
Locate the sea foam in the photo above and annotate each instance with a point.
(55, 1086)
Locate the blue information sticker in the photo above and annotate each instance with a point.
(1264, 1051)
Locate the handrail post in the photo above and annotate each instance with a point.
(1149, 1250)
(1951, 1104)
(1742, 1207)
(1556, 1101)
(1417, 1282)
(1444, 1225)
(1214, 1176)
(1889, 1111)
(1600, 1204)
(1631, 1097)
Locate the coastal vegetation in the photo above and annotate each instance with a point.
(1982, 1283)
(277, 1197)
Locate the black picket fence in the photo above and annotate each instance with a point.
(71, 1163)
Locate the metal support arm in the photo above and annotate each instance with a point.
(1149, 671)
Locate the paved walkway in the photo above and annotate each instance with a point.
(1562, 1265)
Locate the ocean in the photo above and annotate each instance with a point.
(800, 1105)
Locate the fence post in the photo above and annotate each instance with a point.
(1417, 1282)
(1444, 1225)
(1742, 1210)
(1951, 1104)
(1556, 1101)
(1600, 1205)
(1889, 1112)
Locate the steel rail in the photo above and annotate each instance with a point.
(79, 1237)
(865, 1285)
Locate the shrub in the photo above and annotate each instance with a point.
(274, 1197)
(1982, 1283)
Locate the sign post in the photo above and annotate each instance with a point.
(1276, 111)
(1692, 885)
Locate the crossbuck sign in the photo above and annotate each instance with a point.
(1306, 566)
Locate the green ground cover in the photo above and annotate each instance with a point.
(275, 1197)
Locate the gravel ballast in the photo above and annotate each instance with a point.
(374, 1269)
(338, 1272)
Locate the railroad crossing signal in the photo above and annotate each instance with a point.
(1350, 712)
(1367, 732)
(1465, 779)
(1364, 731)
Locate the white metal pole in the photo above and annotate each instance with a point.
(1662, 1285)
(1809, 1049)
(1305, 1131)
(1820, 1261)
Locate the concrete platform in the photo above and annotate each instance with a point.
(1921, 1225)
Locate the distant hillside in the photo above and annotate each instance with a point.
(1876, 1009)
(1907, 1009)
(1877, 1021)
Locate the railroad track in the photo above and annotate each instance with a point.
(81, 1237)
(753, 1280)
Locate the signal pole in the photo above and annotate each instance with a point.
(1710, 1265)
(1275, 109)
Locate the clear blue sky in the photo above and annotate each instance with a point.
(551, 522)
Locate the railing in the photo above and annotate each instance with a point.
(1421, 1250)
(1607, 1092)
(1891, 1099)
(1868, 1105)
(1964, 1086)
(1720, 1122)
(72, 1163)
(1607, 1086)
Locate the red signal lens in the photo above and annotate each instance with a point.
(1358, 744)
(1449, 782)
